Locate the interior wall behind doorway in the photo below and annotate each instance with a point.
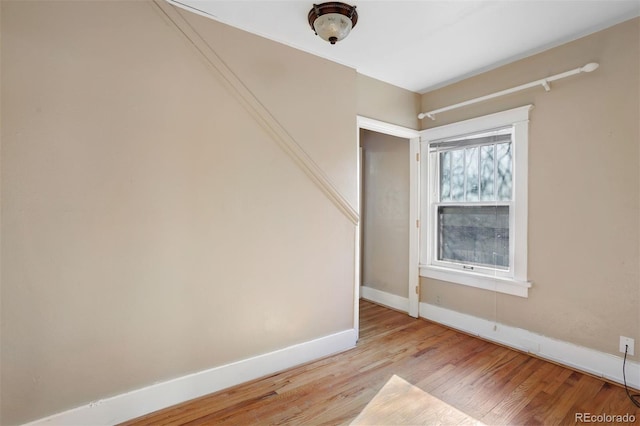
(385, 212)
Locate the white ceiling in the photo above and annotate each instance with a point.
(422, 45)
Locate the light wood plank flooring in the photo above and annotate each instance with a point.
(491, 383)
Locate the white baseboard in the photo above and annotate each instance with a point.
(155, 397)
(383, 298)
(581, 358)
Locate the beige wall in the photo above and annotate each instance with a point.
(385, 213)
(150, 227)
(388, 103)
(584, 191)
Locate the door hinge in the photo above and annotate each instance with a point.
(417, 223)
(417, 156)
(418, 290)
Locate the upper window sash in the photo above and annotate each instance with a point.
(475, 173)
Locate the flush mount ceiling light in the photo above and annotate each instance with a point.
(333, 20)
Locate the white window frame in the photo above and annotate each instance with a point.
(514, 281)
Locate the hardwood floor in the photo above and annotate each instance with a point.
(491, 383)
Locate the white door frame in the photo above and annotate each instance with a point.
(413, 137)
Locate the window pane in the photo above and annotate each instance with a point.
(477, 235)
(471, 167)
(457, 175)
(503, 174)
(487, 175)
(445, 176)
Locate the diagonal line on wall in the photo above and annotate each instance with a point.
(259, 112)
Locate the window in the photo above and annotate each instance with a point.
(475, 202)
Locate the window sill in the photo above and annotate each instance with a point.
(499, 284)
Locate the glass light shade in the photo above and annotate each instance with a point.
(332, 27)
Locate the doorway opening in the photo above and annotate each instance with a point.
(388, 236)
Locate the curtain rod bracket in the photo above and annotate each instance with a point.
(546, 86)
